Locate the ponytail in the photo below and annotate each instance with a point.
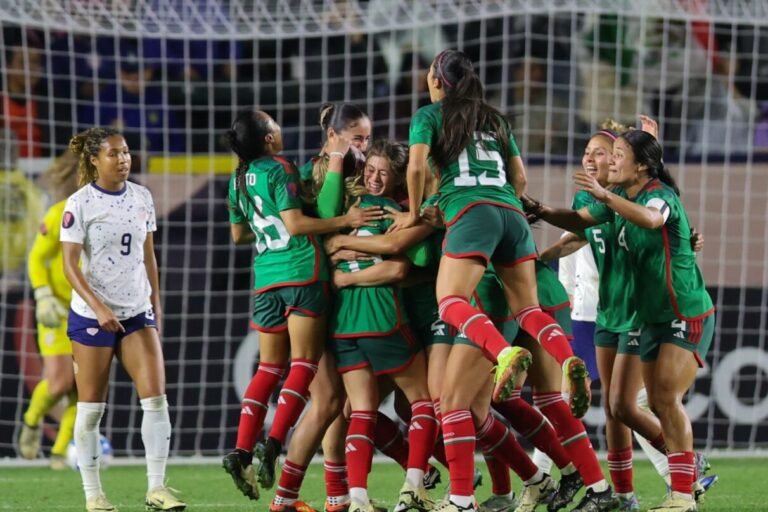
(247, 141)
(86, 145)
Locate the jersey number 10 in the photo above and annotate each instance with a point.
(483, 158)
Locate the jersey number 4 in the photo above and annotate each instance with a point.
(482, 158)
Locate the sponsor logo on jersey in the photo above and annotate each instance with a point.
(43, 229)
(67, 220)
(93, 331)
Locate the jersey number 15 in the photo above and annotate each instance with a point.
(482, 158)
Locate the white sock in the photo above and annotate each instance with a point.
(542, 461)
(658, 459)
(600, 486)
(156, 435)
(87, 445)
(536, 478)
(568, 470)
(338, 500)
(682, 496)
(414, 477)
(359, 495)
(462, 501)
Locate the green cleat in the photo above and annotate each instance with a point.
(577, 383)
(511, 365)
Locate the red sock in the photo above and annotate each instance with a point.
(532, 425)
(546, 330)
(422, 433)
(439, 451)
(495, 439)
(459, 438)
(572, 435)
(288, 487)
(659, 443)
(390, 441)
(682, 471)
(359, 447)
(336, 479)
(293, 397)
(620, 467)
(500, 481)
(256, 404)
(478, 328)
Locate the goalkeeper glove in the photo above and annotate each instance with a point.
(49, 310)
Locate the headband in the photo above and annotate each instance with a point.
(607, 133)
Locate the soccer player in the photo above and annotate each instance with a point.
(53, 293)
(290, 283)
(109, 259)
(669, 293)
(480, 171)
(371, 338)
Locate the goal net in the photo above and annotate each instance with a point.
(172, 74)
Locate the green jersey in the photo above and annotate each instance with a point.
(616, 302)
(551, 292)
(479, 175)
(272, 186)
(305, 171)
(668, 282)
(368, 311)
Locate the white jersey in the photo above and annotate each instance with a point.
(578, 274)
(112, 228)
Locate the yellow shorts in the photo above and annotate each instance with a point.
(54, 341)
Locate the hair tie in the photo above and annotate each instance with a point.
(440, 73)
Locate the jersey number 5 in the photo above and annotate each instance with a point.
(482, 158)
(597, 234)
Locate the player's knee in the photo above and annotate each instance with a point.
(621, 409)
(323, 412)
(60, 385)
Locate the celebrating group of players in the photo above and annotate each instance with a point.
(384, 268)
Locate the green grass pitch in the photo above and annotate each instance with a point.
(208, 488)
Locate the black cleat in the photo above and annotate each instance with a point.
(238, 466)
(567, 489)
(593, 501)
(432, 477)
(267, 462)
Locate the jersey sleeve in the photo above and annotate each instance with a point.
(601, 212)
(235, 213)
(331, 196)
(72, 222)
(513, 149)
(44, 248)
(286, 186)
(661, 205)
(422, 128)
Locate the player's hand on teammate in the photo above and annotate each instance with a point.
(697, 240)
(402, 220)
(349, 255)
(431, 216)
(589, 183)
(107, 320)
(533, 209)
(357, 217)
(336, 143)
(48, 309)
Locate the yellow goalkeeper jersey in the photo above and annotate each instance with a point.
(20, 210)
(46, 262)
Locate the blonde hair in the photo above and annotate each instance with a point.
(58, 178)
(614, 126)
(87, 144)
(352, 185)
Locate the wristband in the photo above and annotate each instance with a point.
(333, 153)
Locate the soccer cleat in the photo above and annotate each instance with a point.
(413, 498)
(675, 503)
(267, 453)
(243, 475)
(702, 464)
(449, 506)
(58, 462)
(477, 480)
(593, 501)
(432, 477)
(536, 494)
(511, 364)
(577, 385)
(567, 489)
(297, 506)
(162, 498)
(356, 506)
(99, 504)
(345, 507)
(29, 441)
(498, 504)
(629, 504)
(702, 485)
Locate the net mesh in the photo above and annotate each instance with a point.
(172, 74)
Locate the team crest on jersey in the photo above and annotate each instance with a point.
(292, 189)
(43, 229)
(67, 220)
